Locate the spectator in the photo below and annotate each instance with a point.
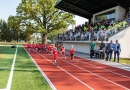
(92, 47)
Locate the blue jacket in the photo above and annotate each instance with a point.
(117, 47)
(110, 46)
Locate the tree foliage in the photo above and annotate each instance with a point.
(41, 16)
(5, 33)
(16, 28)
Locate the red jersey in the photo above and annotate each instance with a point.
(33, 46)
(51, 48)
(38, 46)
(63, 50)
(55, 52)
(72, 50)
(29, 45)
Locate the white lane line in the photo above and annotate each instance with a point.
(104, 63)
(43, 74)
(8, 87)
(98, 75)
(106, 70)
(101, 68)
(68, 73)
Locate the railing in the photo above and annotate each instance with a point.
(97, 38)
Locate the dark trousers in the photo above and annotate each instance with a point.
(109, 55)
(116, 53)
(91, 53)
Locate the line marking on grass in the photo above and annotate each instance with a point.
(8, 87)
(43, 74)
(68, 73)
(3, 89)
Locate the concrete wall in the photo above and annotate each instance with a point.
(80, 46)
(124, 39)
(119, 12)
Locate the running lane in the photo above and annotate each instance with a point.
(60, 79)
(64, 81)
(94, 81)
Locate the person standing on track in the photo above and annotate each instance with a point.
(72, 51)
(55, 55)
(92, 46)
(63, 53)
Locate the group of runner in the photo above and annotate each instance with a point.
(54, 50)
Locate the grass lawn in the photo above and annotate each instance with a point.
(125, 61)
(6, 59)
(26, 75)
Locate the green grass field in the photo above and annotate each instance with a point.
(26, 75)
(6, 59)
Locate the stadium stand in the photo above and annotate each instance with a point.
(97, 31)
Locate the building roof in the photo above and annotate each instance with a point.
(86, 8)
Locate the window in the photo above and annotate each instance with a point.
(105, 16)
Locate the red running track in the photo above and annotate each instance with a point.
(82, 74)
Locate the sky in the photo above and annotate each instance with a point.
(8, 7)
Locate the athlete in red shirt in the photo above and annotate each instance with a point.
(29, 46)
(55, 55)
(63, 52)
(72, 51)
(38, 47)
(51, 50)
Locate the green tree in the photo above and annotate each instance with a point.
(5, 32)
(41, 16)
(15, 25)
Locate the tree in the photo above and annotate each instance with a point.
(5, 32)
(15, 25)
(41, 16)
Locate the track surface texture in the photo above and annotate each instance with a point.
(81, 74)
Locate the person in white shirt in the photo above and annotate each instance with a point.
(70, 35)
(75, 36)
(82, 37)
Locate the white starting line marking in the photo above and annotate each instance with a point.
(68, 73)
(43, 74)
(8, 87)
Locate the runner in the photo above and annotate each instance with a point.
(55, 55)
(46, 48)
(29, 46)
(33, 47)
(51, 50)
(63, 53)
(72, 51)
(61, 47)
(38, 47)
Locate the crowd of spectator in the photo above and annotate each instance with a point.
(96, 31)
